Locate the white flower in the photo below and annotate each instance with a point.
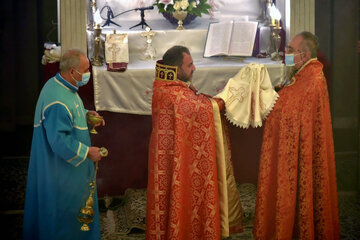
(177, 6)
(193, 4)
(166, 2)
(184, 4)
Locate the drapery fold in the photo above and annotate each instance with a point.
(296, 193)
(183, 190)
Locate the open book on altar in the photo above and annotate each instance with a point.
(230, 38)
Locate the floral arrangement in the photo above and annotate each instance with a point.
(193, 7)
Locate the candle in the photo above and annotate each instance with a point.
(278, 23)
(272, 22)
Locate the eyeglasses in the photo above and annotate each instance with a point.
(289, 49)
(86, 71)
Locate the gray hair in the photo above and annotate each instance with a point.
(310, 43)
(174, 56)
(70, 59)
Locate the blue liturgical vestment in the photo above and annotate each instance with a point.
(59, 172)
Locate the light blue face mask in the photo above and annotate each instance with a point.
(84, 79)
(289, 59)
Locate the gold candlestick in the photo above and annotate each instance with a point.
(276, 39)
(97, 60)
(92, 6)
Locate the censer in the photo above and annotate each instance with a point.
(86, 214)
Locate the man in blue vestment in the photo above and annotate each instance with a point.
(62, 159)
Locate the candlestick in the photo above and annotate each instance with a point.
(97, 59)
(272, 22)
(276, 39)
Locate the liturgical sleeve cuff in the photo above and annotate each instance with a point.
(80, 155)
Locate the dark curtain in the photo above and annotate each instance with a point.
(24, 27)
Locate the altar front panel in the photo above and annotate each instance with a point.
(131, 91)
(127, 137)
(124, 99)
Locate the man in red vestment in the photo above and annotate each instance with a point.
(185, 198)
(296, 192)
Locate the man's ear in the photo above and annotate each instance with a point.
(307, 55)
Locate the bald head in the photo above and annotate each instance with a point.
(309, 43)
(73, 64)
(71, 59)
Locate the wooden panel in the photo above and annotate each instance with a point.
(73, 24)
(302, 16)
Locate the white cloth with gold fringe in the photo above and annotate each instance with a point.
(116, 48)
(249, 96)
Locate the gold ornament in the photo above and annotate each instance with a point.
(180, 16)
(86, 214)
(93, 120)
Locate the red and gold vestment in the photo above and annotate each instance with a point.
(296, 191)
(183, 200)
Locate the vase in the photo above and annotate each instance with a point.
(180, 16)
(170, 18)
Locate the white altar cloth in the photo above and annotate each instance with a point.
(131, 91)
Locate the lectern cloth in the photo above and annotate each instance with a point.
(249, 96)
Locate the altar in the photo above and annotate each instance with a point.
(124, 98)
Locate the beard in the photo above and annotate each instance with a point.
(289, 72)
(184, 77)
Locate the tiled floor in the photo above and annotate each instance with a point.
(13, 176)
(349, 214)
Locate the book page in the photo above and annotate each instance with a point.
(218, 39)
(243, 38)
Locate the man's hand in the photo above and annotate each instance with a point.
(94, 113)
(94, 154)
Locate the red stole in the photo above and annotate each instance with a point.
(182, 193)
(297, 195)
